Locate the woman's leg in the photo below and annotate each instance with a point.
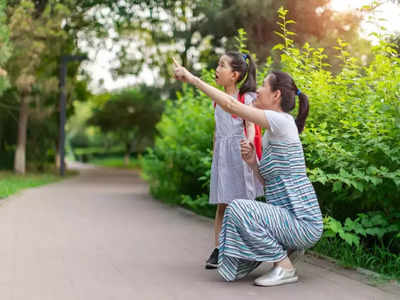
(219, 216)
(285, 264)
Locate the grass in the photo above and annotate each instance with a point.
(374, 258)
(116, 162)
(11, 183)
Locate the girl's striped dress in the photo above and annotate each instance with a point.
(231, 178)
(253, 232)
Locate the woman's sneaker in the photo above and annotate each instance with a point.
(277, 276)
(212, 261)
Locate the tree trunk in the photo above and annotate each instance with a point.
(58, 156)
(127, 154)
(20, 152)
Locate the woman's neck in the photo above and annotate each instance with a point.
(231, 89)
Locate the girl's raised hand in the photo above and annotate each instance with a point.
(181, 73)
(3, 72)
(248, 152)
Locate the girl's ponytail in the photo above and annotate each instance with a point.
(250, 84)
(303, 111)
(244, 64)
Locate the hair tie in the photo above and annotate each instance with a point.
(245, 56)
(298, 93)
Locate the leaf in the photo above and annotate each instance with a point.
(379, 232)
(329, 234)
(350, 238)
(337, 186)
(335, 226)
(278, 47)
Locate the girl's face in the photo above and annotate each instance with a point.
(224, 75)
(266, 98)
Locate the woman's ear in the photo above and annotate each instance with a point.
(277, 96)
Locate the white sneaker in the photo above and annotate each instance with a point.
(277, 276)
(296, 255)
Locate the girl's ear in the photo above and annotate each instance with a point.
(235, 75)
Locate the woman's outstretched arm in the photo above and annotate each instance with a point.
(226, 102)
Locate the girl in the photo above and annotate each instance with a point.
(231, 178)
(254, 232)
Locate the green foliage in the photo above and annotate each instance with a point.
(182, 154)
(5, 47)
(372, 256)
(241, 39)
(130, 115)
(364, 226)
(116, 162)
(352, 133)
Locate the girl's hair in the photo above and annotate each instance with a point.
(244, 64)
(282, 81)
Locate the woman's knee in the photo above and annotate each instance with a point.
(238, 204)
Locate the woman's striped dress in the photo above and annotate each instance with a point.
(253, 232)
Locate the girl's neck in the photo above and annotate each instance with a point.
(231, 89)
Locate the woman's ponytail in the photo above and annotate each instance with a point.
(282, 81)
(303, 111)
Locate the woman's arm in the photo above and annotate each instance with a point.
(226, 102)
(248, 153)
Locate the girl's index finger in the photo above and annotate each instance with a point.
(175, 62)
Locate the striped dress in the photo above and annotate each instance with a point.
(254, 232)
(231, 178)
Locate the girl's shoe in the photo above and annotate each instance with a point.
(277, 276)
(212, 261)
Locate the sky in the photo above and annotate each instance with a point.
(100, 62)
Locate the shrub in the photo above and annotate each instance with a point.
(351, 139)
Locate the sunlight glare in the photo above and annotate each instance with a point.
(345, 5)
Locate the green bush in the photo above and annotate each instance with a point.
(178, 166)
(352, 135)
(351, 140)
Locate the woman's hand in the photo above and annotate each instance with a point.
(182, 74)
(248, 152)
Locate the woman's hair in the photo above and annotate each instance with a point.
(282, 81)
(244, 64)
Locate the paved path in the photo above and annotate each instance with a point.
(101, 236)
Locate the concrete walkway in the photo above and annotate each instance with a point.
(101, 236)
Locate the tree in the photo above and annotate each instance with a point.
(5, 49)
(32, 38)
(130, 115)
(198, 31)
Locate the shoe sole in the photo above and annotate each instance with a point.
(211, 266)
(280, 282)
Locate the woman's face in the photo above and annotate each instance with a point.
(266, 98)
(224, 75)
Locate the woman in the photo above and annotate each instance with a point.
(254, 232)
